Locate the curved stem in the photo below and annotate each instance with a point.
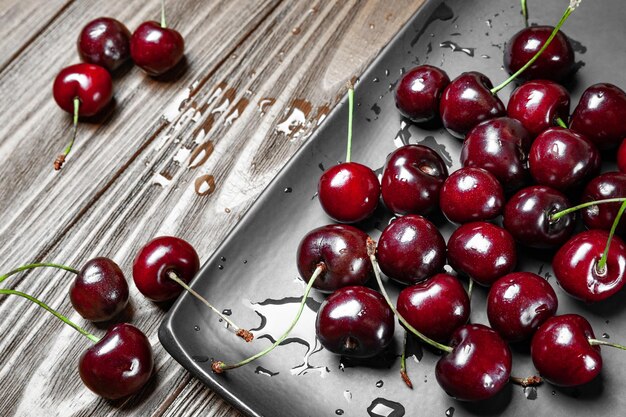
(470, 287)
(559, 214)
(37, 265)
(560, 122)
(58, 163)
(602, 263)
(219, 366)
(163, 25)
(403, 373)
(568, 11)
(525, 13)
(350, 111)
(596, 342)
(49, 309)
(243, 333)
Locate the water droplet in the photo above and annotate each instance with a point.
(287, 190)
(456, 48)
(450, 412)
(606, 336)
(530, 393)
(222, 259)
(342, 367)
(382, 407)
(379, 383)
(245, 261)
(196, 328)
(296, 30)
(347, 395)
(220, 267)
(372, 26)
(376, 79)
(339, 412)
(262, 371)
(387, 73)
(553, 392)
(227, 312)
(488, 21)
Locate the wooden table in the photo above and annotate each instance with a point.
(185, 156)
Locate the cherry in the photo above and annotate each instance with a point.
(600, 115)
(563, 159)
(435, 307)
(343, 251)
(555, 63)
(539, 105)
(467, 101)
(621, 156)
(499, 146)
(471, 194)
(119, 364)
(106, 42)
(518, 303)
(355, 321)
(411, 249)
(419, 91)
(605, 186)
(411, 180)
(529, 217)
(483, 251)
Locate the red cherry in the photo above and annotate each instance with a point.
(538, 104)
(90, 83)
(621, 156)
(602, 216)
(156, 49)
(419, 91)
(106, 42)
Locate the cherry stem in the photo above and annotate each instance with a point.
(243, 333)
(403, 372)
(350, 111)
(560, 122)
(525, 12)
(49, 309)
(596, 342)
(531, 381)
(58, 163)
(163, 25)
(470, 287)
(37, 265)
(602, 262)
(555, 216)
(219, 366)
(568, 11)
(393, 308)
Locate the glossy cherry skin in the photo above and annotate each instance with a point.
(155, 49)
(482, 251)
(518, 303)
(355, 321)
(419, 91)
(90, 83)
(479, 365)
(100, 290)
(411, 249)
(105, 42)
(563, 159)
(499, 146)
(156, 259)
(600, 115)
(527, 217)
(537, 104)
(435, 307)
(343, 251)
(467, 101)
(575, 266)
(471, 194)
(412, 178)
(561, 351)
(621, 156)
(349, 192)
(555, 63)
(602, 216)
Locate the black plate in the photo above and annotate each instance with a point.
(258, 280)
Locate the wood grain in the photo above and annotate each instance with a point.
(185, 156)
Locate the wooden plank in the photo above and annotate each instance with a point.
(146, 169)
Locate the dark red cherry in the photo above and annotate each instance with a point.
(621, 156)
(355, 321)
(90, 83)
(479, 365)
(467, 101)
(411, 249)
(576, 266)
(435, 307)
(412, 179)
(482, 251)
(471, 194)
(563, 159)
(538, 104)
(602, 216)
(527, 217)
(419, 91)
(100, 290)
(555, 63)
(349, 192)
(499, 146)
(600, 115)
(105, 42)
(118, 365)
(518, 303)
(156, 49)
(156, 259)
(561, 351)
(342, 249)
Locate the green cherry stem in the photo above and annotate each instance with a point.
(49, 309)
(555, 216)
(37, 265)
(470, 287)
(403, 372)
(596, 342)
(560, 122)
(58, 163)
(350, 111)
(602, 262)
(525, 12)
(219, 367)
(572, 6)
(163, 25)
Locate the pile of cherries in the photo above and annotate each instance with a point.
(104, 46)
